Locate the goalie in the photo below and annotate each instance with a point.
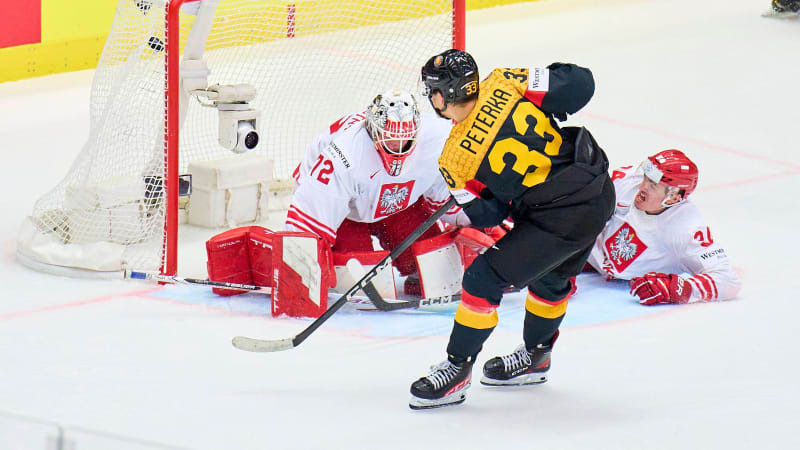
(372, 175)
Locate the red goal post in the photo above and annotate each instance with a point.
(309, 63)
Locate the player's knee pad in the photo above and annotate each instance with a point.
(482, 281)
(240, 255)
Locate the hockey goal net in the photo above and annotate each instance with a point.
(309, 62)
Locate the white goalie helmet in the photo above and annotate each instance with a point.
(392, 123)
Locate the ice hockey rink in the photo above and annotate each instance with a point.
(90, 364)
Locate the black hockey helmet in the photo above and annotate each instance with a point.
(454, 74)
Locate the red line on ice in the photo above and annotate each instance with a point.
(14, 315)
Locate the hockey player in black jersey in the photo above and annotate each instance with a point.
(507, 156)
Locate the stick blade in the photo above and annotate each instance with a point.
(261, 345)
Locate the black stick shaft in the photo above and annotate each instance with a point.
(372, 273)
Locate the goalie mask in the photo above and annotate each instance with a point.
(392, 123)
(674, 169)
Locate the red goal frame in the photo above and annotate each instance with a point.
(169, 257)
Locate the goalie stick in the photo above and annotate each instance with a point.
(134, 275)
(376, 299)
(357, 270)
(421, 304)
(275, 345)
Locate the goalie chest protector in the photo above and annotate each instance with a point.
(300, 262)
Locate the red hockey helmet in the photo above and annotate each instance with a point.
(674, 169)
(392, 123)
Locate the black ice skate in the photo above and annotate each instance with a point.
(519, 368)
(784, 9)
(446, 385)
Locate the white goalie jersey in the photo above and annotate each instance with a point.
(342, 177)
(676, 241)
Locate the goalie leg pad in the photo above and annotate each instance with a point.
(440, 267)
(302, 274)
(259, 246)
(229, 259)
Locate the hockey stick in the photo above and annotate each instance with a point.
(416, 304)
(357, 270)
(134, 275)
(375, 297)
(275, 345)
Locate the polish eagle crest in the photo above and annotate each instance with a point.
(393, 199)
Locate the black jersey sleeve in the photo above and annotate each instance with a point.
(571, 88)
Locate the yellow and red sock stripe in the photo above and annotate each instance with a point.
(476, 312)
(548, 309)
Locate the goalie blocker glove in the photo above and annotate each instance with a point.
(658, 288)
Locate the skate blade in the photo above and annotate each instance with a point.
(455, 398)
(523, 380)
(417, 403)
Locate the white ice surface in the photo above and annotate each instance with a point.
(110, 360)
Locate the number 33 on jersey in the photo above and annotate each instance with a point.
(506, 143)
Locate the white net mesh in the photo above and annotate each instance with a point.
(310, 62)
